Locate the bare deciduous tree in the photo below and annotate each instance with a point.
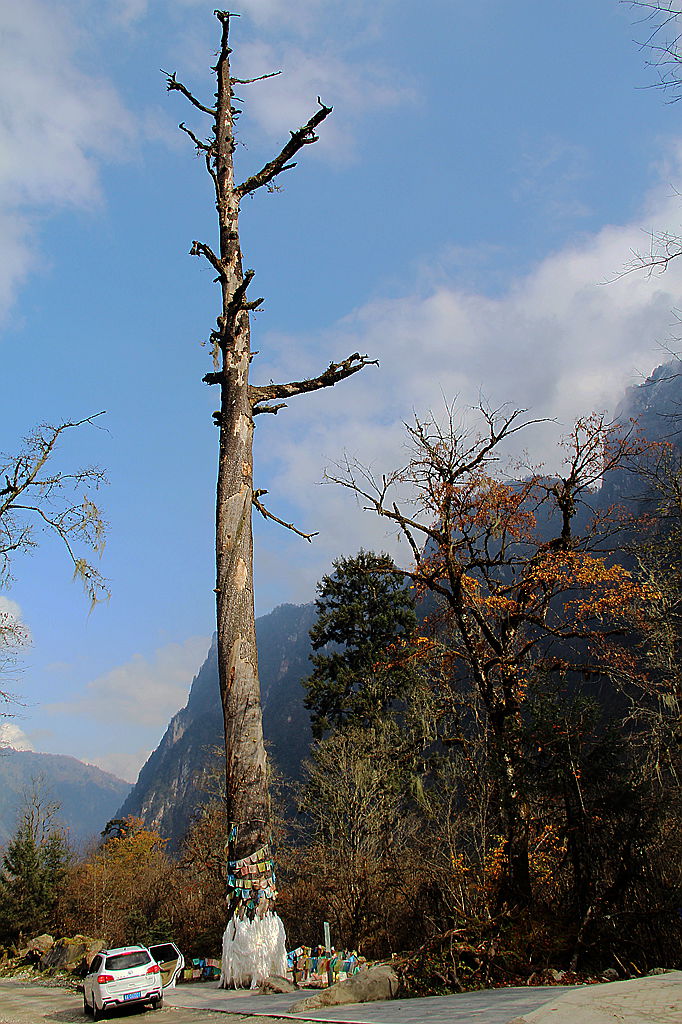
(662, 40)
(523, 590)
(35, 496)
(248, 807)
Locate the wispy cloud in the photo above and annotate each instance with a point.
(123, 766)
(301, 17)
(56, 123)
(356, 90)
(142, 692)
(562, 340)
(549, 177)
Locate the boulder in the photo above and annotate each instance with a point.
(610, 974)
(41, 944)
(548, 977)
(276, 984)
(367, 986)
(69, 954)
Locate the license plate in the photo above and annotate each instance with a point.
(132, 995)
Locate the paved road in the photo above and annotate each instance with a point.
(22, 1003)
(493, 1006)
(651, 1000)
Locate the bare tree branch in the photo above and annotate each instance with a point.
(202, 147)
(332, 375)
(268, 408)
(304, 136)
(237, 305)
(30, 493)
(267, 514)
(172, 84)
(376, 505)
(201, 249)
(249, 81)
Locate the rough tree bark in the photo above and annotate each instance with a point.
(248, 803)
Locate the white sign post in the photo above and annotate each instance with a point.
(328, 949)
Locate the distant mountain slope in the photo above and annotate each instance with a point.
(166, 793)
(656, 403)
(655, 406)
(88, 796)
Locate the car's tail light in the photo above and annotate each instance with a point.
(154, 969)
(104, 978)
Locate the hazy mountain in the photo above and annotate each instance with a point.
(87, 795)
(655, 406)
(166, 794)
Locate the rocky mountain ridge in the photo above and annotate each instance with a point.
(168, 790)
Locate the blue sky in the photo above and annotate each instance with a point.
(484, 177)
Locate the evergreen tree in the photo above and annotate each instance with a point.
(32, 875)
(365, 614)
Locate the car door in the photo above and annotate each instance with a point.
(170, 960)
(88, 981)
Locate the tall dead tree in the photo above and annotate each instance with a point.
(252, 891)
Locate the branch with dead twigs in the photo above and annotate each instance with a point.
(267, 514)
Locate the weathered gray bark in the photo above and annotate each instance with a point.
(248, 805)
(246, 781)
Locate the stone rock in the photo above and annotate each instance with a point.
(658, 970)
(610, 974)
(367, 986)
(70, 954)
(41, 944)
(276, 983)
(557, 976)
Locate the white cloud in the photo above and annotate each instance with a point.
(127, 12)
(143, 691)
(562, 340)
(59, 122)
(56, 123)
(548, 175)
(13, 631)
(10, 608)
(279, 104)
(299, 15)
(12, 736)
(123, 766)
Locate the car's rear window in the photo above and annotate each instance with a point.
(124, 961)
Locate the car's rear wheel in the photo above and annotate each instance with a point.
(87, 1009)
(157, 1003)
(96, 1014)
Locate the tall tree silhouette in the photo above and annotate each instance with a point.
(252, 890)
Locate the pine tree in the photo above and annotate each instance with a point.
(32, 874)
(365, 612)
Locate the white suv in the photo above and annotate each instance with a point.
(130, 974)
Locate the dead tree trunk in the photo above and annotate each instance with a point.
(251, 891)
